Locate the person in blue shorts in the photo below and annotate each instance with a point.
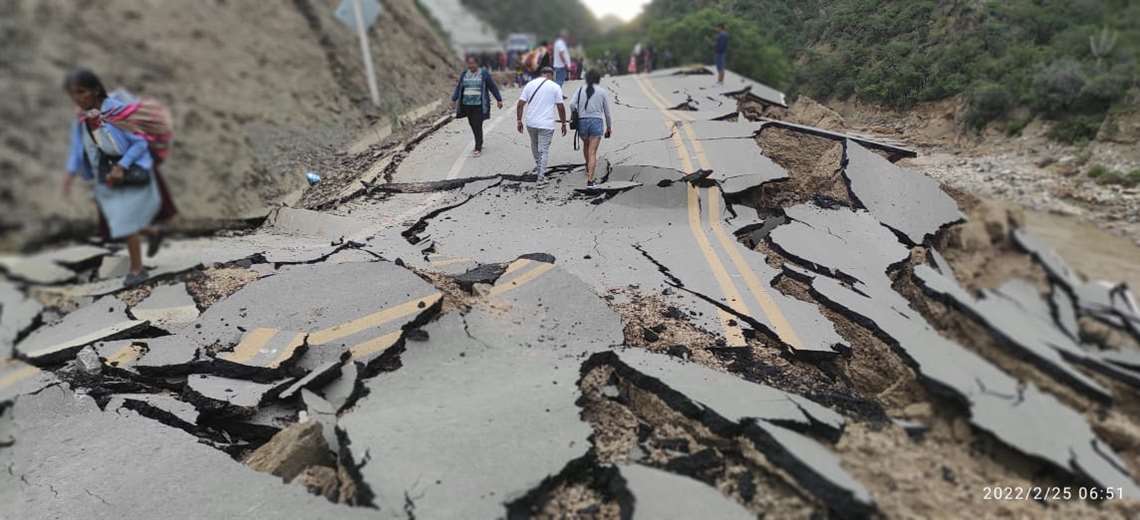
(592, 104)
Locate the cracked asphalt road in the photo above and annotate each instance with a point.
(451, 325)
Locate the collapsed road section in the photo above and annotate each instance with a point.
(721, 327)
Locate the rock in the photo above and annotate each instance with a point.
(292, 450)
(1100, 333)
(88, 362)
(321, 481)
(1066, 170)
(649, 335)
(1068, 159)
(992, 217)
(348, 489)
(970, 236)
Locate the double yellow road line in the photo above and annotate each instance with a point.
(678, 122)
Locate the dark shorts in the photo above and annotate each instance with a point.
(591, 127)
(719, 59)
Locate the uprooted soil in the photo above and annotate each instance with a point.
(260, 91)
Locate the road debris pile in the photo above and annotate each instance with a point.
(724, 327)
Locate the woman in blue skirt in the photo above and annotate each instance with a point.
(117, 165)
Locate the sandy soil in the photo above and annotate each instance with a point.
(261, 92)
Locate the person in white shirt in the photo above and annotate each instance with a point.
(561, 58)
(537, 102)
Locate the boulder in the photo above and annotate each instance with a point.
(292, 450)
(322, 481)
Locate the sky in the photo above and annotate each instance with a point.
(624, 9)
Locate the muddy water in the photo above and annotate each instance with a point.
(1092, 252)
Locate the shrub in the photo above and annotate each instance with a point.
(1102, 90)
(1111, 177)
(989, 101)
(1098, 171)
(1076, 128)
(1056, 87)
(1015, 127)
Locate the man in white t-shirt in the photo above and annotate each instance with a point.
(561, 59)
(537, 102)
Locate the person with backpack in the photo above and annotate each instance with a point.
(472, 99)
(590, 112)
(537, 102)
(110, 153)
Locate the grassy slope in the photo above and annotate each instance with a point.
(1001, 55)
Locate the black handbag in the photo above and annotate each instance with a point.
(575, 118)
(132, 177)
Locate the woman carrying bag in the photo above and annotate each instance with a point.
(118, 166)
(590, 108)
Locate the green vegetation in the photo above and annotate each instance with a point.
(754, 55)
(544, 19)
(1067, 61)
(1103, 175)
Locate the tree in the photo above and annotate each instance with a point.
(690, 39)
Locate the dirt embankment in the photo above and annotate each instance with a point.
(261, 92)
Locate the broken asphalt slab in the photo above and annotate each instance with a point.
(470, 421)
(908, 202)
(1019, 316)
(1025, 419)
(761, 413)
(19, 378)
(660, 495)
(648, 237)
(164, 408)
(167, 306)
(537, 304)
(50, 267)
(102, 319)
(18, 314)
(227, 396)
(359, 307)
(69, 456)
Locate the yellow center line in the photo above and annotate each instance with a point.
(779, 322)
(251, 343)
(287, 352)
(783, 328)
(520, 280)
(375, 345)
(516, 265)
(375, 319)
(734, 335)
(449, 261)
(18, 375)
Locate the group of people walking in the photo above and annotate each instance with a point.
(118, 142)
(541, 109)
